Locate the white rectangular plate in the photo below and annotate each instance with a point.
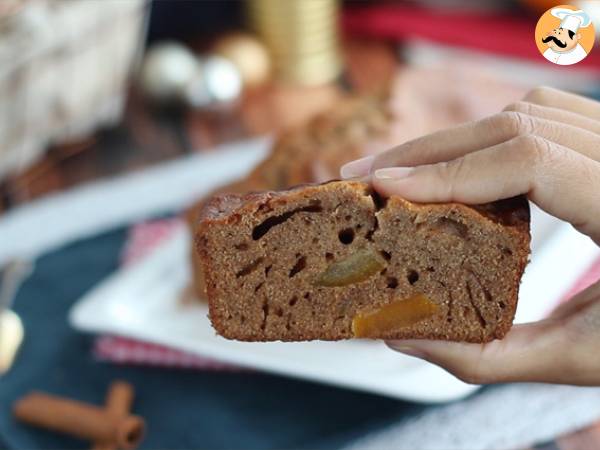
(143, 302)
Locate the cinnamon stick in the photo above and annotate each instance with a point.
(118, 404)
(79, 419)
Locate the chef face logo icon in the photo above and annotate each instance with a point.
(561, 40)
(564, 35)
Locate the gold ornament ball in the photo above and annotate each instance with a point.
(248, 55)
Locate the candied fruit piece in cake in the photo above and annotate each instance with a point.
(357, 267)
(393, 316)
(334, 261)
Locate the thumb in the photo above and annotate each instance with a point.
(538, 352)
(531, 352)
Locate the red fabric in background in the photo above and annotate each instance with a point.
(508, 35)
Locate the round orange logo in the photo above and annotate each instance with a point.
(564, 35)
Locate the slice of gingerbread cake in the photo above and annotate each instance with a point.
(335, 261)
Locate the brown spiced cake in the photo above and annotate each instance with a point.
(334, 261)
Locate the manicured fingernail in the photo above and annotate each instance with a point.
(358, 168)
(393, 173)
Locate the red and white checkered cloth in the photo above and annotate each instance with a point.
(130, 351)
(142, 239)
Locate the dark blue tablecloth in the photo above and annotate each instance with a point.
(183, 408)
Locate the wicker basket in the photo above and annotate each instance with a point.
(63, 70)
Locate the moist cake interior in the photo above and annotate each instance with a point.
(304, 264)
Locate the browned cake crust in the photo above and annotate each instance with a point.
(191, 218)
(311, 153)
(333, 261)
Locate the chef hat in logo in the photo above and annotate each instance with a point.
(571, 20)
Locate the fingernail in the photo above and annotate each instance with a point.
(406, 349)
(393, 173)
(357, 168)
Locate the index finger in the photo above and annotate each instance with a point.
(452, 143)
(567, 101)
(555, 114)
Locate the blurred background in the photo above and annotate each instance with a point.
(93, 89)
(119, 117)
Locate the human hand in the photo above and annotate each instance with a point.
(548, 147)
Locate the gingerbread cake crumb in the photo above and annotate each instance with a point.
(334, 261)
